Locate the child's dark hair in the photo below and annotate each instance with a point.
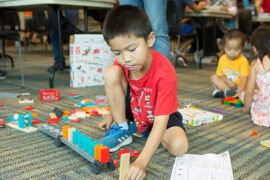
(235, 34)
(260, 39)
(126, 20)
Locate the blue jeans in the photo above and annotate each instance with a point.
(73, 17)
(156, 11)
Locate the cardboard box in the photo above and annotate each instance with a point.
(197, 117)
(90, 55)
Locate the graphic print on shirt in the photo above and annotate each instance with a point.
(142, 108)
(231, 74)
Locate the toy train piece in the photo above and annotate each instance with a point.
(97, 154)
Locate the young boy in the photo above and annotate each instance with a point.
(141, 86)
(233, 68)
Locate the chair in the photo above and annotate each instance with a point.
(11, 35)
(172, 20)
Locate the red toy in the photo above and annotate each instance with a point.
(254, 133)
(29, 108)
(49, 95)
(2, 123)
(1, 104)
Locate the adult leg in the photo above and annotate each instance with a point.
(52, 18)
(156, 11)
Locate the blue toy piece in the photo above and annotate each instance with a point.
(75, 97)
(21, 121)
(81, 138)
(75, 137)
(30, 119)
(11, 118)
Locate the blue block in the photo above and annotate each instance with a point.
(75, 137)
(86, 144)
(29, 118)
(81, 140)
(64, 119)
(75, 97)
(92, 148)
(11, 118)
(21, 121)
(238, 105)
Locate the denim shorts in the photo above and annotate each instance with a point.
(175, 119)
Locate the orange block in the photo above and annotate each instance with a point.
(97, 151)
(65, 132)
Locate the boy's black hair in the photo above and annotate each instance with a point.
(260, 39)
(235, 34)
(126, 20)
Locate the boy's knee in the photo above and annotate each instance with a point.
(178, 148)
(113, 74)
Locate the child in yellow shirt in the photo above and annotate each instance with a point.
(233, 68)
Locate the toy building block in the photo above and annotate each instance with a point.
(230, 101)
(97, 151)
(9, 95)
(75, 97)
(86, 144)
(35, 114)
(124, 165)
(58, 112)
(70, 133)
(66, 113)
(35, 122)
(75, 137)
(74, 120)
(29, 108)
(218, 111)
(92, 148)
(65, 131)
(104, 155)
(25, 98)
(72, 94)
(81, 138)
(52, 115)
(2, 123)
(51, 131)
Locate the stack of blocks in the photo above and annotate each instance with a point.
(95, 153)
(98, 151)
(230, 101)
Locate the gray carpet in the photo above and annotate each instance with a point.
(34, 155)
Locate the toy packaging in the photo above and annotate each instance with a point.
(197, 117)
(89, 57)
(265, 143)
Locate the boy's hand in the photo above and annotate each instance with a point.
(105, 124)
(136, 171)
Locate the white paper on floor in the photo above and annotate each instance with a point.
(203, 167)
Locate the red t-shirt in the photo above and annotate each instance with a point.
(155, 93)
(266, 6)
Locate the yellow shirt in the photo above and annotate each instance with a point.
(234, 69)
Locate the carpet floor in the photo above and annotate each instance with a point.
(34, 155)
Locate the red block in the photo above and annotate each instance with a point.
(124, 151)
(72, 94)
(35, 122)
(105, 155)
(74, 120)
(29, 108)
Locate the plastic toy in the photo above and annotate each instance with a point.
(254, 133)
(58, 112)
(29, 108)
(49, 95)
(218, 111)
(124, 165)
(230, 101)
(22, 122)
(25, 98)
(75, 97)
(1, 104)
(97, 154)
(2, 123)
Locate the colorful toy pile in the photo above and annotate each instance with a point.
(230, 101)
